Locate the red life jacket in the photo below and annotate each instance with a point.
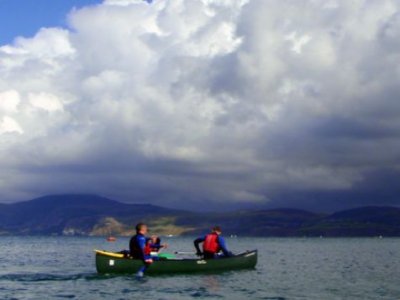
(211, 243)
(147, 249)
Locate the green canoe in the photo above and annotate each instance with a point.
(115, 263)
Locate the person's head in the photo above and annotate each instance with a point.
(217, 230)
(154, 239)
(141, 228)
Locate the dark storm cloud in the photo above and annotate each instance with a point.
(216, 104)
(378, 188)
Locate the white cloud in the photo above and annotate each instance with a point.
(217, 100)
(298, 42)
(48, 45)
(9, 125)
(9, 101)
(45, 101)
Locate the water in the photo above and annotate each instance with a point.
(63, 267)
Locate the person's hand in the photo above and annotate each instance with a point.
(164, 246)
(148, 261)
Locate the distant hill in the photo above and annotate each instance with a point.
(95, 215)
(78, 214)
(277, 222)
(363, 221)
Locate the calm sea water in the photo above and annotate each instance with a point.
(309, 268)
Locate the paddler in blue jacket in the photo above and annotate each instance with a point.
(137, 246)
(213, 244)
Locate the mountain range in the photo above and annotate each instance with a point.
(98, 216)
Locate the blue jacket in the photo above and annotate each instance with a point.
(136, 246)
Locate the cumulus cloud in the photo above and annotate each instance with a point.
(10, 125)
(187, 103)
(45, 101)
(9, 101)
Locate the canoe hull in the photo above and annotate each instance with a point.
(106, 264)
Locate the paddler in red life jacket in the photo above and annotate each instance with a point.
(213, 244)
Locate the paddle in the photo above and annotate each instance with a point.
(183, 252)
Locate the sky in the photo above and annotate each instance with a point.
(26, 17)
(202, 104)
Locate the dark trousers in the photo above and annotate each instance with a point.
(209, 255)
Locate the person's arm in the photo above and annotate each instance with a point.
(158, 246)
(155, 246)
(142, 244)
(196, 245)
(222, 246)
